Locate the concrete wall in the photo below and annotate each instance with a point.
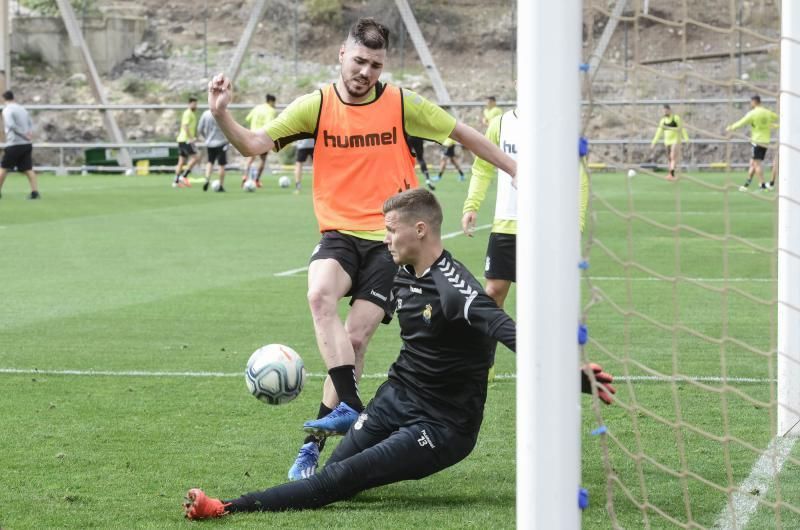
(111, 40)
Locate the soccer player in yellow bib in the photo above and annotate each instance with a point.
(761, 122)
(187, 153)
(361, 158)
(671, 126)
(258, 119)
(491, 111)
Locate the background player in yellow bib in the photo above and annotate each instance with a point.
(361, 158)
(761, 122)
(671, 126)
(187, 152)
(258, 119)
(491, 111)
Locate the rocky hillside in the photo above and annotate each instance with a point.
(473, 41)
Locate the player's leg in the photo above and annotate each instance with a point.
(298, 176)
(498, 290)
(461, 177)
(774, 169)
(760, 174)
(209, 168)
(442, 164)
(3, 173)
(368, 458)
(33, 181)
(262, 164)
(328, 283)
(673, 159)
(500, 271)
(179, 169)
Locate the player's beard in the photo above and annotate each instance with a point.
(355, 89)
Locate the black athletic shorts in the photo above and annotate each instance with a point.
(501, 257)
(368, 263)
(186, 149)
(218, 154)
(18, 157)
(303, 154)
(394, 439)
(759, 152)
(449, 151)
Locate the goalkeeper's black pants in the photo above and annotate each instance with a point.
(391, 441)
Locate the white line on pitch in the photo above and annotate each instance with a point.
(657, 279)
(316, 375)
(450, 235)
(744, 500)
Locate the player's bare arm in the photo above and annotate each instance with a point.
(247, 142)
(483, 148)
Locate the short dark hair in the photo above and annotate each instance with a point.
(667, 107)
(756, 98)
(192, 99)
(370, 33)
(8, 95)
(270, 98)
(416, 205)
(491, 98)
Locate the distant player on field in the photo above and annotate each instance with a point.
(361, 157)
(18, 129)
(671, 126)
(305, 150)
(418, 147)
(216, 148)
(426, 417)
(187, 153)
(491, 111)
(761, 122)
(258, 119)
(449, 153)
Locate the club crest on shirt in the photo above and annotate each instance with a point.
(360, 423)
(427, 314)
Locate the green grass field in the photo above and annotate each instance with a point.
(125, 274)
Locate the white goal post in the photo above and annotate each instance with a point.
(548, 390)
(789, 224)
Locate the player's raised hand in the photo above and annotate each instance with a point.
(220, 93)
(468, 223)
(604, 387)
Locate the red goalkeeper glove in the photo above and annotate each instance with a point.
(603, 379)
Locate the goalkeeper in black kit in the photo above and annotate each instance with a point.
(426, 417)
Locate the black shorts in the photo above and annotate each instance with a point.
(218, 154)
(368, 263)
(759, 152)
(18, 157)
(185, 149)
(303, 154)
(449, 151)
(501, 257)
(395, 439)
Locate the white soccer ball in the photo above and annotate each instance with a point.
(284, 182)
(275, 374)
(631, 173)
(250, 185)
(215, 185)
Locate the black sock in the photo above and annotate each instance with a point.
(185, 173)
(177, 177)
(344, 381)
(323, 411)
(671, 172)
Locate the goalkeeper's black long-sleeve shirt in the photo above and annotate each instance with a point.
(449, 327)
